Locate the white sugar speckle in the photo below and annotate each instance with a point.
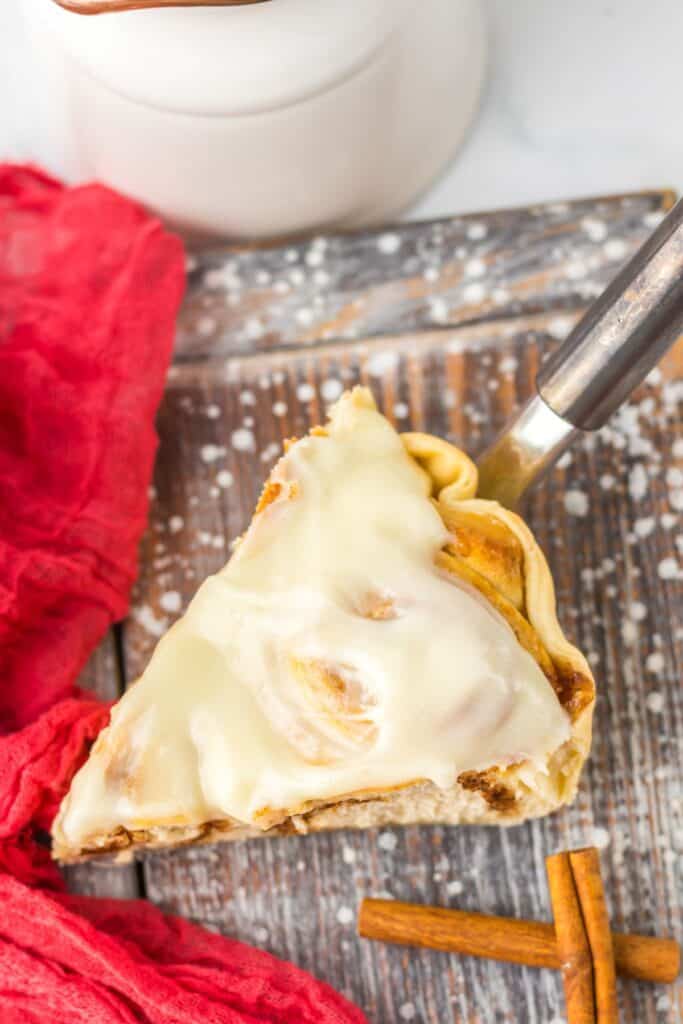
(171, 601)
(253, 328)
(211, 452)
(305, 392)
(389, 243)
(331, 389)
(668, 569)
(175, 524)
(475, 268)
(677, 448)
(559, 327)
(146, 618)
(663, 1002)
(401, 410)
(638, 611)
(576, 503)
(600, 838)
(349, 855)
(297, 276)
(344, 915)
(213, 411)
(305, 316)
(654, 663)
(674, 477)
(607, 481)
(382, 362)
(576, 270)
(644, 527)
(629, 632)
(438, 310)
(564, 461)
(477, 231)
(387, 841)
(668, 519)
(261, 934)
(206, 325)
(314, 257)
(508, 364)
(638, 482)
(655, 702)
(248, 397)
(321, 278)
(454, 888)
(242, 440)
(248, 421)
(407, 1011)
(271, 451)
(474, 292)
(615, 249)
(279, 408)
(595, 229)
(224, 478)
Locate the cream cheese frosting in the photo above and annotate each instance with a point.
(329, 656)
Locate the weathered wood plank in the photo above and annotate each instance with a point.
(593, 516)
(102, 676)
(457, 270)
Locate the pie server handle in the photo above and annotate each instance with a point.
(622, 336)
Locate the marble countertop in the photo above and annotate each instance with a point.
(581, 99)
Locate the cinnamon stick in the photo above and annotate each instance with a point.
(572, 941)
(531, 943)
(585, 865)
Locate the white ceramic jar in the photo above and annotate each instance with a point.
(267, 119)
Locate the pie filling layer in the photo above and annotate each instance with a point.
(329, 656)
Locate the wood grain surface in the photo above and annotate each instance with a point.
(398, 310)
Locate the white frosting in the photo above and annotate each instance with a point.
(228, 718)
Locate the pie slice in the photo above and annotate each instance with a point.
(382, 647)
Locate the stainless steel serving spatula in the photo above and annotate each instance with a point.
(606, 356)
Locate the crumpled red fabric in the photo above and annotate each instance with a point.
(90, 285)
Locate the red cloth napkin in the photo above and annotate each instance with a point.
(89, 290)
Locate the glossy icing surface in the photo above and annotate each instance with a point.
(329, 656)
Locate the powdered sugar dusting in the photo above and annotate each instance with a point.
(638, 482)
(243, 440)
(576, 503)
(146, 618)
(171, 601)
(381, 363)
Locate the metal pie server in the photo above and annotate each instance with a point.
(606, 356)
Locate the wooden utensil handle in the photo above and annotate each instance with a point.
(500, 938)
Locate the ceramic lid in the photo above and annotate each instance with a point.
(227, 60)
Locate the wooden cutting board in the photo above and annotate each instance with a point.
(447, 322)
